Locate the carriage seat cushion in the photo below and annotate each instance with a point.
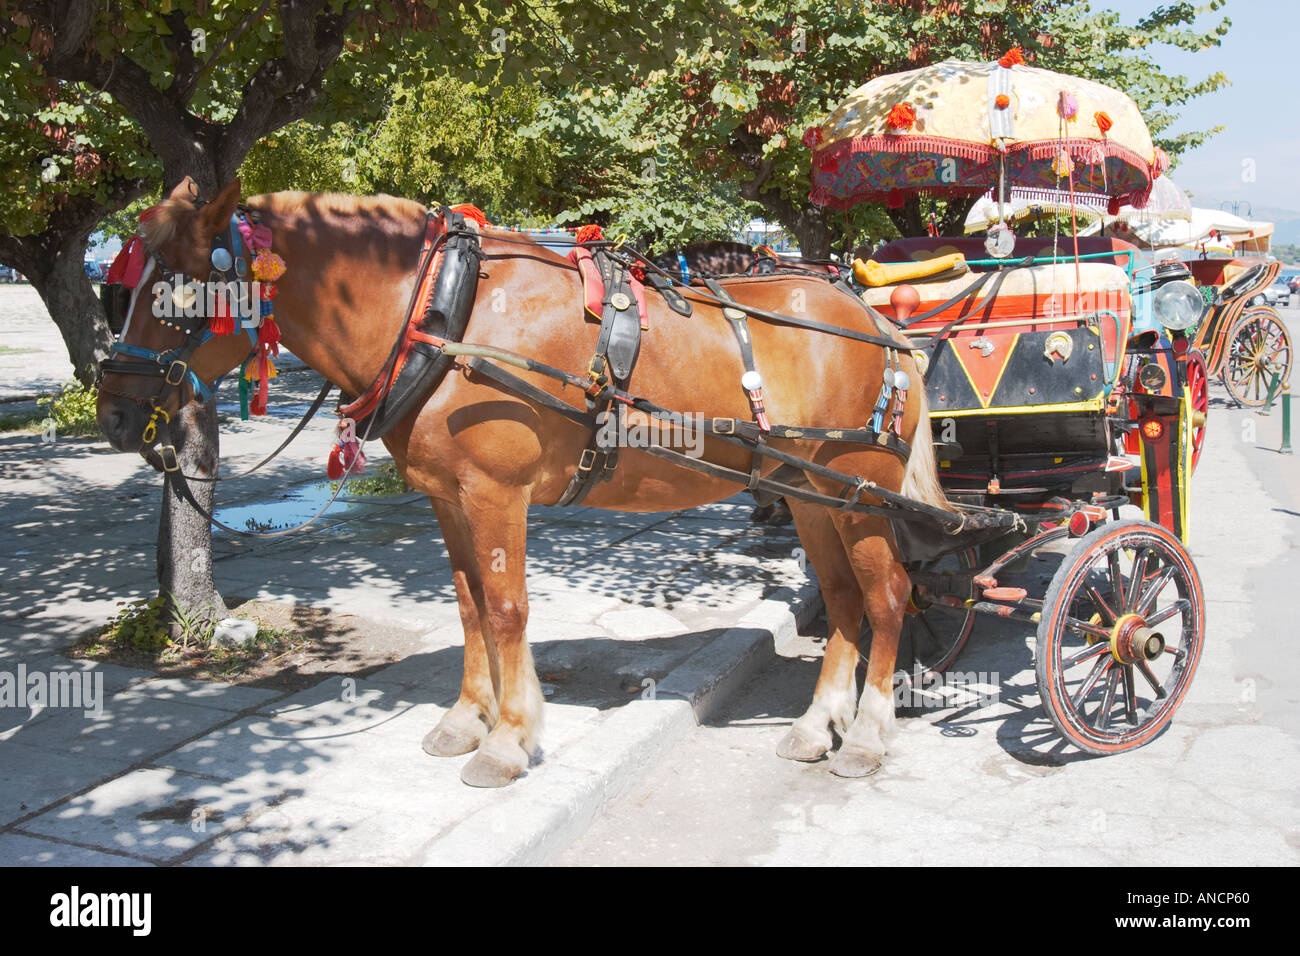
(1099, 286)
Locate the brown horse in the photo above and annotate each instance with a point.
(483, 454)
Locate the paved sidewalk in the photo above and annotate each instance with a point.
(637, 622)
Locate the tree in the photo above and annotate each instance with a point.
(738, 105)
(202, 81)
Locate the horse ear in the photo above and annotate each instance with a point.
(216, 214)
(187, 189)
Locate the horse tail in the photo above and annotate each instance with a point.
(921, 477)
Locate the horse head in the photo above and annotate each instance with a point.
(166, 354)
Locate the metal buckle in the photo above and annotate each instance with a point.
(729, 429)
(168, 455)
(184, 368)
(587, 461)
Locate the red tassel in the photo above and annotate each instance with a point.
(895, 200)
(222, 323)
(591, 233)
(269, 333)
(258, 404)
(470, 212)
(334, 467)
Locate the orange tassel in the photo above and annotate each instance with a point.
(1013, 57)
(901, 116)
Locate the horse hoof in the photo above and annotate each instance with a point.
(855, 763)
(780, 515)
(488, 771)
(761, 513)
(796, 746)
(447, 742)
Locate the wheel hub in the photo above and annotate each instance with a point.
(1132, 642)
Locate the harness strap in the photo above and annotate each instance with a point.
(617, 349)
(740, 326)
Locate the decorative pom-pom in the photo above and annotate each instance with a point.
(901, 116)
(472, 213)
(334, 467)
(1062, 165)
(895, 200)
(268, 333)
(1067, 107)
(812, 137)
(1104, 122)
(267, 266)
(1013, 57)
(589, 233)
(1002, 101)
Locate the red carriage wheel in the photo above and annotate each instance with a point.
(1198, 386)
(1120, 636)
(1259, 347)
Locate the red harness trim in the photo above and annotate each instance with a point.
(593, 289)
(368, 401)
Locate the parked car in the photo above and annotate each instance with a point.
(1279, 293)
(8, 274)
(1294, 283)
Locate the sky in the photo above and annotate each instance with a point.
(1261, 57)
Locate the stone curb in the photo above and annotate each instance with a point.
(543, 813)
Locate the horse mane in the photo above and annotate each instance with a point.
(390, 214)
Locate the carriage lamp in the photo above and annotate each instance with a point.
(1152, 377)
(1178, 305)
(1153, 428)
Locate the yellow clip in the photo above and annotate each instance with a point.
(622, 238)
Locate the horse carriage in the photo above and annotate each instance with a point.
(1050, 402)
(1243, 341)
(1042, 412)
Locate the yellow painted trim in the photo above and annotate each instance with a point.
(1094, 405)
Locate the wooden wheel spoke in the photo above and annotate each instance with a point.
(1089, 682)
(1130, 697)
(1108, 699)
(1177, 607)
(1087, 653)
(1138, 579)
(1104, 608)
(1116, 577)
(1156, 686)
(1148, 599)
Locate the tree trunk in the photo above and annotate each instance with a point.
(184, 558)
(59, 277)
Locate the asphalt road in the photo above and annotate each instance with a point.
(994, 785)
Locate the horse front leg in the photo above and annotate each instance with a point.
(870, 548)
(835, 697)
(475, 712)
(498, 523)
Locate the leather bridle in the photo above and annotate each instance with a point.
(171, 367)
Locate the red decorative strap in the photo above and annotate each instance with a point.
(369, 400)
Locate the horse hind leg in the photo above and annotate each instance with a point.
(835, 697)
(885, 584)
(464, 727)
